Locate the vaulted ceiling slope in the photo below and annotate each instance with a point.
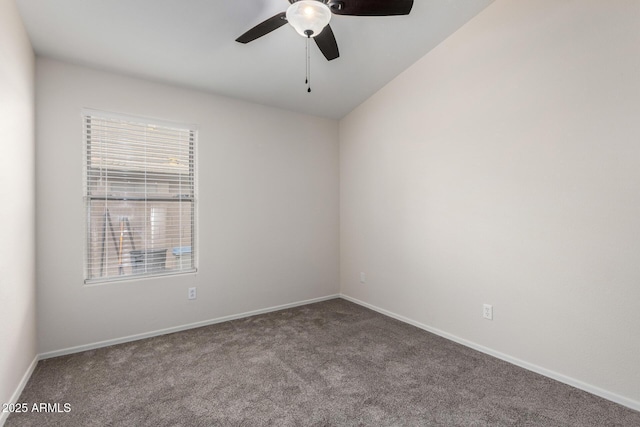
(191, 43)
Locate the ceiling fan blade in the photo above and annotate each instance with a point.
(326, 41)
(371, 7)
(265, 27)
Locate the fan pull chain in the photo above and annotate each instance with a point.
(308, 79)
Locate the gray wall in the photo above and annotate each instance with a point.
(268, 209)
(17, 206)
(503, 168)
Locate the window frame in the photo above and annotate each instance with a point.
(88, 198)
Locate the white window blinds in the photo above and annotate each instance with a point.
(140, 195)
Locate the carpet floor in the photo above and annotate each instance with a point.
(332, 363)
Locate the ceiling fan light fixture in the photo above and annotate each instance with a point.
(308, 17)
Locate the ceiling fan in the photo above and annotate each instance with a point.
(311, 19)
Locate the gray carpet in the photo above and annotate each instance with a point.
(332, 363)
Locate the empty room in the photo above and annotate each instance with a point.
(320, 212)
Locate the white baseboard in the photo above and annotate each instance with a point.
(18, 391)
(136, 337)
(624, 401)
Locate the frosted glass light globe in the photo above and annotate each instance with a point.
(308, 17)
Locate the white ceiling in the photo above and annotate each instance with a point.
(191, 43)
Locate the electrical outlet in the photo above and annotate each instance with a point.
(192, 293)
(363, 277)
(487, 311)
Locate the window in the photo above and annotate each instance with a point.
(140, 197)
